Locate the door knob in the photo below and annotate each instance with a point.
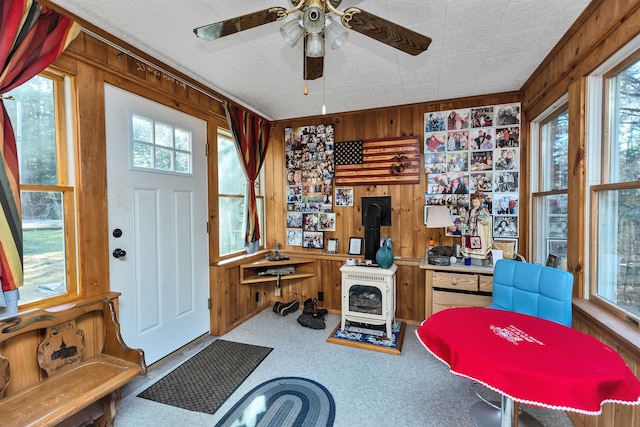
(119, 253)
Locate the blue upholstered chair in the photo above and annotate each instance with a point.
(533, 289)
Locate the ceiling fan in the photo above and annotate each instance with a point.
(315, 23)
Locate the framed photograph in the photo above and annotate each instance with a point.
(355, 246)
(294, 236)
(332, 246)
(327, 222)
(509, 247)
(313, 239)
(344, 196)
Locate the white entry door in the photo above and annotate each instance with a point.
(159, 220)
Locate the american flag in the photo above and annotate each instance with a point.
(377, 161)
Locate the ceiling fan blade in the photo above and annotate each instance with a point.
(313, 67)
(386, 32)
(237, 24)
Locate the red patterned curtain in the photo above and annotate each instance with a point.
(31, 38)
(251, 134)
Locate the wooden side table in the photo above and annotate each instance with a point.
(456, 285)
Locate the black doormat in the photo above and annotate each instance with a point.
(205, 381)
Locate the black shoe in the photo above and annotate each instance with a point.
(310, 308)
(289, 307)
(311, 321)
(316, 312)
(276, 307)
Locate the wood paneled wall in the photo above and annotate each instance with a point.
(410, 237)
(604, 28)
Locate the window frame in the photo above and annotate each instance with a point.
(65, 178)
(260, 199)
(540, 175)
(599, 138)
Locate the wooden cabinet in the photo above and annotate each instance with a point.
(255, 272)
(457, 285)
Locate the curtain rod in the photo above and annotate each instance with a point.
(148, 63)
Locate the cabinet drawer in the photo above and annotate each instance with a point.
(486, 283)
(458, 281)
(443, 300)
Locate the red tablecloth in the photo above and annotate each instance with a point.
(530, 360)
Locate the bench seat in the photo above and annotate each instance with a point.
(63, 366)
(55, 399)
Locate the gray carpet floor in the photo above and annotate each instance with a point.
(369, 388)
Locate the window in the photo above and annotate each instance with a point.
(37, 113)
(551, 133)
(232, 182)
(160, 146)
(617, 210)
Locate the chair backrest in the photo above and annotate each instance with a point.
(533, 289)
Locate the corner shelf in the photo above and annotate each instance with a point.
(249, 272)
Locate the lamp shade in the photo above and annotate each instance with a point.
(292, 31)
(437, 217)
(315, 45)
(335, 33)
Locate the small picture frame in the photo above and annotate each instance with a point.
(332, 246)
(355, 246)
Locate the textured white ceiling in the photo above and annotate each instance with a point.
(479, 47)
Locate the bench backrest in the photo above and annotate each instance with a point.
(30, 347)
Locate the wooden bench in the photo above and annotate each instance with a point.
(64, 365)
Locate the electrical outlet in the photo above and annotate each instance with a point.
(257, 296)
(320, 296)
(278, 292)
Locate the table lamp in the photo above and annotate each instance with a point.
(438, 217)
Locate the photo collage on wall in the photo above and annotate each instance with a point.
(310, 170)
(475, 151)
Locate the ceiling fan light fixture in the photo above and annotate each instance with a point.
(292, 31)
(313, 19)
(315, 45)
(335, 32)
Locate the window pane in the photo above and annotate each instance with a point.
(43, 237)
(183, 140)
(231, 176)
(231, 220)
(554, 152)
(163, 159)
(142, 155)
(182, 162)
(142, 129)
(551, 232)
(618, 271)
(33, 118)
(625, 125)
(164, 135)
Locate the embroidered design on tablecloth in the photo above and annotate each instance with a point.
(514, 335)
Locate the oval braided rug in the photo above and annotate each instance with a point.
(283, 402)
